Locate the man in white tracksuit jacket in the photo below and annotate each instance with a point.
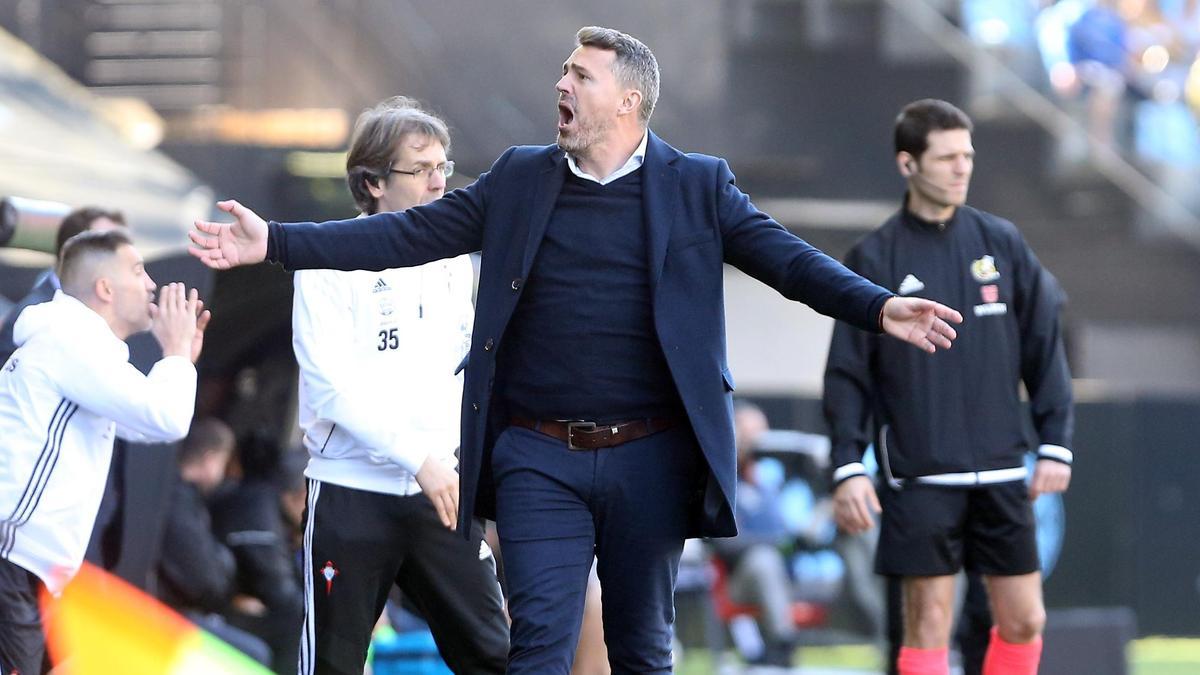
(65, 394)
(379, 405)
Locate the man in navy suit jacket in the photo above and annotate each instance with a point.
(597, 415)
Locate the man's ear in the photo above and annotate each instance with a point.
(631, 102)
(103, 288)
(906, 164)
(374, 184)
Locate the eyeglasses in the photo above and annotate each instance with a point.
(427, 172)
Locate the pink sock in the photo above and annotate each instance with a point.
(913, 661)
(1006, 658)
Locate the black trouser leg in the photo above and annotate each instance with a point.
(22, 646)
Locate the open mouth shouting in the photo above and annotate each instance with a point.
(566, 115)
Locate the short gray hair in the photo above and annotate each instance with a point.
(635, 65)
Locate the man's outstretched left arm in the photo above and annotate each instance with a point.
(761, 247)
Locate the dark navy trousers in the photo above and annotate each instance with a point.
(629, 506)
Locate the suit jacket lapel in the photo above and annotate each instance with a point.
(660, 198)
(549, 184)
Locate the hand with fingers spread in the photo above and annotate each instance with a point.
(196, 306)
(440, 485)
(225, 245)
(173, 321)
(1049, 477)
(855, 505)
(925, 324)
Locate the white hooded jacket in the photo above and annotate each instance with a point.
(65, 393)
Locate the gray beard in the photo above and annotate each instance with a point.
(586, 135)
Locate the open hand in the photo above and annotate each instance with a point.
(225, 245)
(202, 318)
(173, 320)
(925, 324)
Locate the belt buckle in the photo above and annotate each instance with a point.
(581, 426)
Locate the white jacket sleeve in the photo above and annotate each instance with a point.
(323, 339)
(155, 408)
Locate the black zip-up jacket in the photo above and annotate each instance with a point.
(958, 410)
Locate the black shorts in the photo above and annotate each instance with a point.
(22, 646)
(933, 530)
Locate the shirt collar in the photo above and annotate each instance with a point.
(926, 225)
(632, 164)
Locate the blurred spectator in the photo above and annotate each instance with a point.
(88, 218)
(1052, 27)
(1163, 43)
(1192, 86)
(196, 571)
(252, 518)
(1097, 44)
(758, 573)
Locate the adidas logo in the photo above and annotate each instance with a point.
(380, 286)
(910, 285)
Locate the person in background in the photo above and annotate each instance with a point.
(250, 517)
(196, 571)
(103, 548)
(949, 431)
(758, 570)
(65, 394)
(88, 218)
(379, 406)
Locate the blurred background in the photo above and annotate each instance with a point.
(1086, 133)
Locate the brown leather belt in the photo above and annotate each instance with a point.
(590, 435)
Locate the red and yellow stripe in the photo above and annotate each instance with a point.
(101, 625)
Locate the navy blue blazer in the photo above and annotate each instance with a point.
(696, 219)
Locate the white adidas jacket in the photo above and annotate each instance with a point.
(65, 393)
(377, 353)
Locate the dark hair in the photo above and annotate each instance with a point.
(81, 247)
(918, 118)
(207, 435)
(80, 220)
(634, 66)
(376, 134)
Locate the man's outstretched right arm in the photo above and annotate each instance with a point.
(445, 228)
